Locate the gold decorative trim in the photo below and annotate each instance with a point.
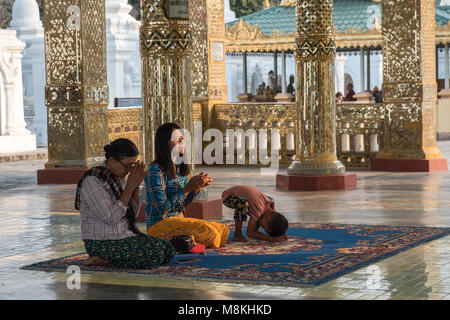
(243, 30)
(243, 37)
(442, 33)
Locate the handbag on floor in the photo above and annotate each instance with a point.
(186, 244)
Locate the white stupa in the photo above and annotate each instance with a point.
(26, 20)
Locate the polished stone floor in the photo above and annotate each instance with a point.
(39, 223)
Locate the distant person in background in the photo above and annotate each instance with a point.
(350, 93)
(339, 97)
(272, 82)
(378, 95)
(261, 88)
(291, 87)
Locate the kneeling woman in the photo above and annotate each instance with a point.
(109, 204)
(169, 192)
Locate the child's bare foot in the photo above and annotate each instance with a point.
(239, 239)
(95, 261)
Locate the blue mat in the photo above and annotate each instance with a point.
(315, 253)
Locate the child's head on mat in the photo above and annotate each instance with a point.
(274, 223)
(248, 201)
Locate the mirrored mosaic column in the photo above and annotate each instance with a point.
(316, 167)
(207, 28)
(316, 109)
(166, 67)
(76, 93)
(207, 25)
(409, 88)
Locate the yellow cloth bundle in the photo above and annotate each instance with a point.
(211, 234)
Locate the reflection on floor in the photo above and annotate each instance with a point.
(39, 223)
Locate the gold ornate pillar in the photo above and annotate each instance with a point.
(207, 29)
(317, 166)
(76, 93)
(316, 109)
(207, 25)
(166, 67)
(409, 87)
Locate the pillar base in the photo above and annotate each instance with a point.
(205, 209)
(59, 176)
(409, 165)
(316, 182)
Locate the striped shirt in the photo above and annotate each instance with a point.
(103, 217)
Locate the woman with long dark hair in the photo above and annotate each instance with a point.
(170, 191)
(109, 204)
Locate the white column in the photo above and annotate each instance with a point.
(446, 67)
(361, 53)
(368, 69)
(341, 58)
(283, 72)
(232, 75)
(275, 66)
(15, 137)
(133, 71)
(380, 70)
(12, 67)
(27, 82)
(39, 125)
(244, 69)
(26, 21)
(115, 65)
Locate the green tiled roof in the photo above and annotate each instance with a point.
(443, 15)
(444, 8)
(347, 13)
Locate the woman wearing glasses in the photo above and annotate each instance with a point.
(108, 204)
(170, 191)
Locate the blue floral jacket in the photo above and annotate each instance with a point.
(165, 196)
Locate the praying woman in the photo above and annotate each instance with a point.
(170, 190)
(109, 203)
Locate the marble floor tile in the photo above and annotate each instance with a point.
(39, 223)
